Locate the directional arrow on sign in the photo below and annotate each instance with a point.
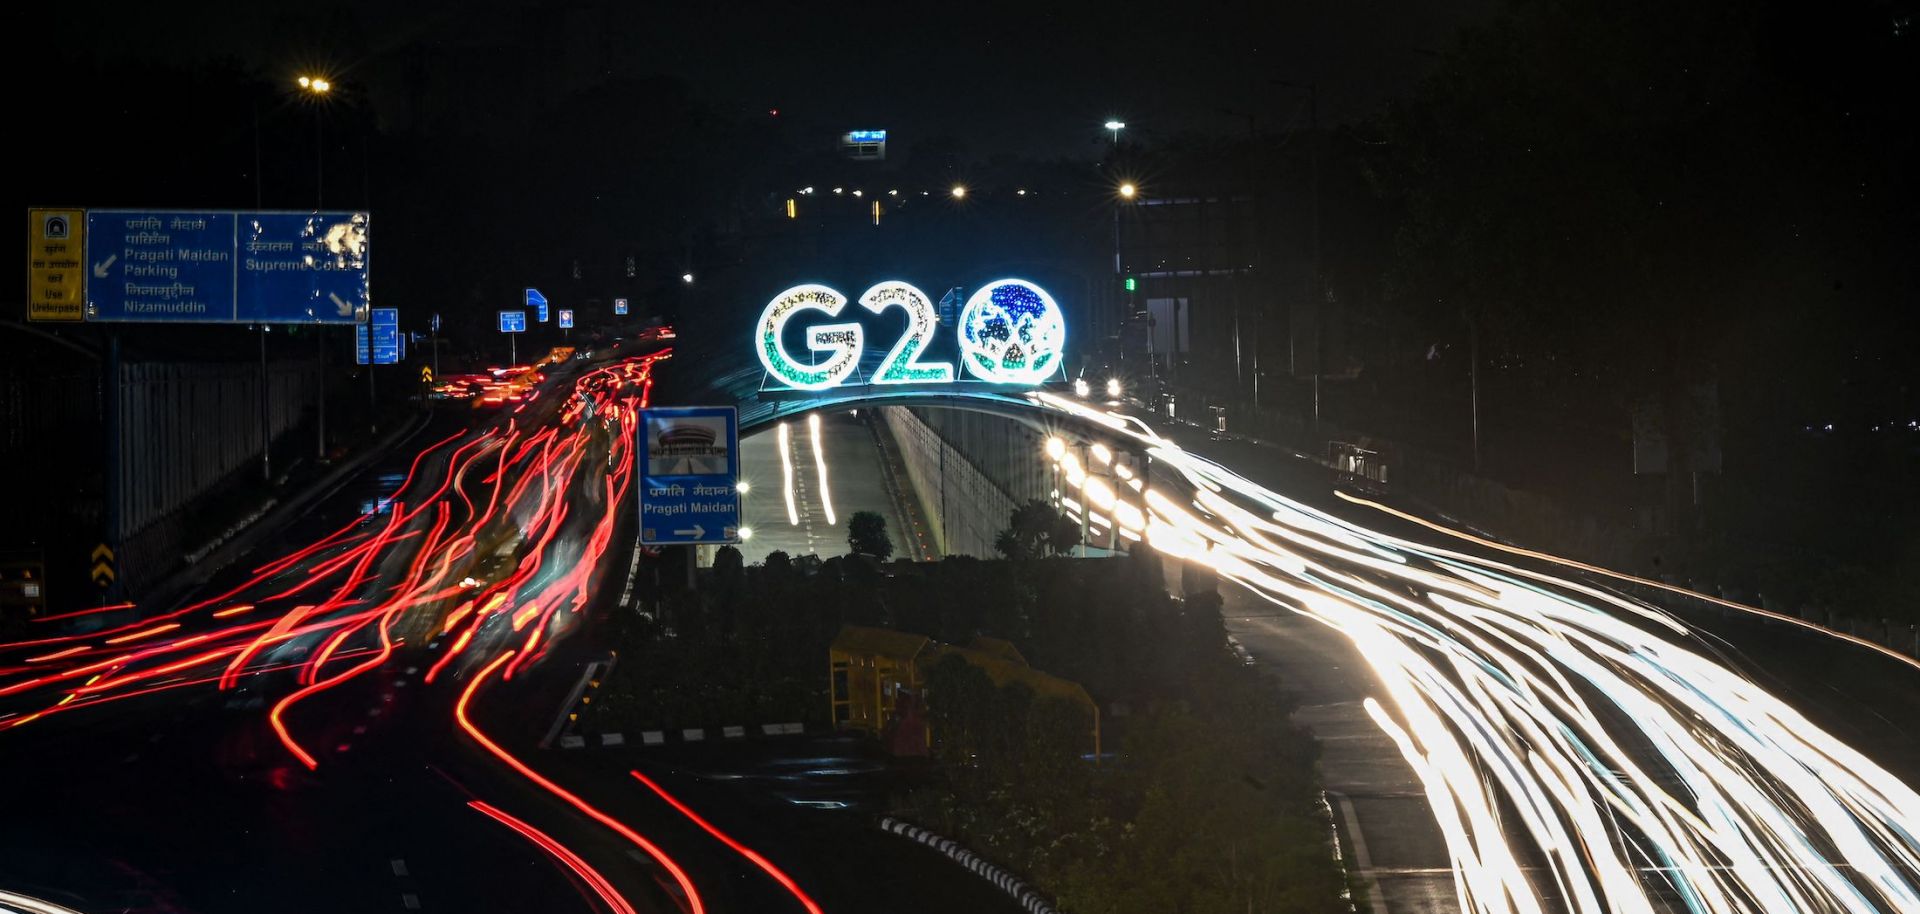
(100, 269)
(102, 550)
(346, 307)
(426, 374)
(697, 532)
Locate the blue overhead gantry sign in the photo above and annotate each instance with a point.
(211, 266)
(689, 475)
(538, 303)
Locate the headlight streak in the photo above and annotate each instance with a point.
(1632, 761)
(786, 475)
(820, 463)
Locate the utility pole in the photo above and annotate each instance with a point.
(266, 377)
(1319, 296)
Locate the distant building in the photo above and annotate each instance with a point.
(864, 145)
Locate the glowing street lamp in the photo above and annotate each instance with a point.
(959, 192)
(1114, 127)
(686, 278)
(1127, 191)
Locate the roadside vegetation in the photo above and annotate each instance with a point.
(1205, 798)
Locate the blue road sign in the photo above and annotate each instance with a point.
(566, 319)
(619, 306)
(538, 303)
(206, 266)
(689, 473)
(513, 322)
(385, 327)
(389, 346)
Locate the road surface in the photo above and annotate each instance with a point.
(350, 721)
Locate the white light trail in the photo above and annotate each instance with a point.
(786, 475)
(820, 462)
(1548, 720)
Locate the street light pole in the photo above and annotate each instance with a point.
(1319, 298)
(318, 88)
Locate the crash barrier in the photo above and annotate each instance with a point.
(1028, 897)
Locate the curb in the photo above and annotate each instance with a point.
(687, 736)
(1029, 897)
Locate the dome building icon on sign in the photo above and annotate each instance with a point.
(689, 446)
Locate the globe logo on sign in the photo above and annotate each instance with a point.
(1012, 332)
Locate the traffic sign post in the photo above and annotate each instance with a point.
(566, 319)
(103, 574)
(690, 475)
(56, 265)
(620, 306)
(202, 266)
(512, 322)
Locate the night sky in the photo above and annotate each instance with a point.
(1021, 78)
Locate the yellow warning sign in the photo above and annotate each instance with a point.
(56, 265)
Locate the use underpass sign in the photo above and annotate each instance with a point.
(689, 475)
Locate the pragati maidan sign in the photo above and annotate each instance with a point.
(1009, 332)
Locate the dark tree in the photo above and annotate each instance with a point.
(867, 535)
(727, 564)
(1036, 530)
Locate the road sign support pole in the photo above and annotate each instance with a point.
(115, 474)
(513, 350)
(373, 403)
(320, 389)
(266, 412)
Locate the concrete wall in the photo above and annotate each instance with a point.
(966, 508)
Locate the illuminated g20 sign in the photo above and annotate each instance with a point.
(1009, 332)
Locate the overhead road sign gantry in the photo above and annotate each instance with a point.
(225, 266)
(689, 475)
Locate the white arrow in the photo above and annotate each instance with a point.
(100, 269)
(697, 532)
(346, 307)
